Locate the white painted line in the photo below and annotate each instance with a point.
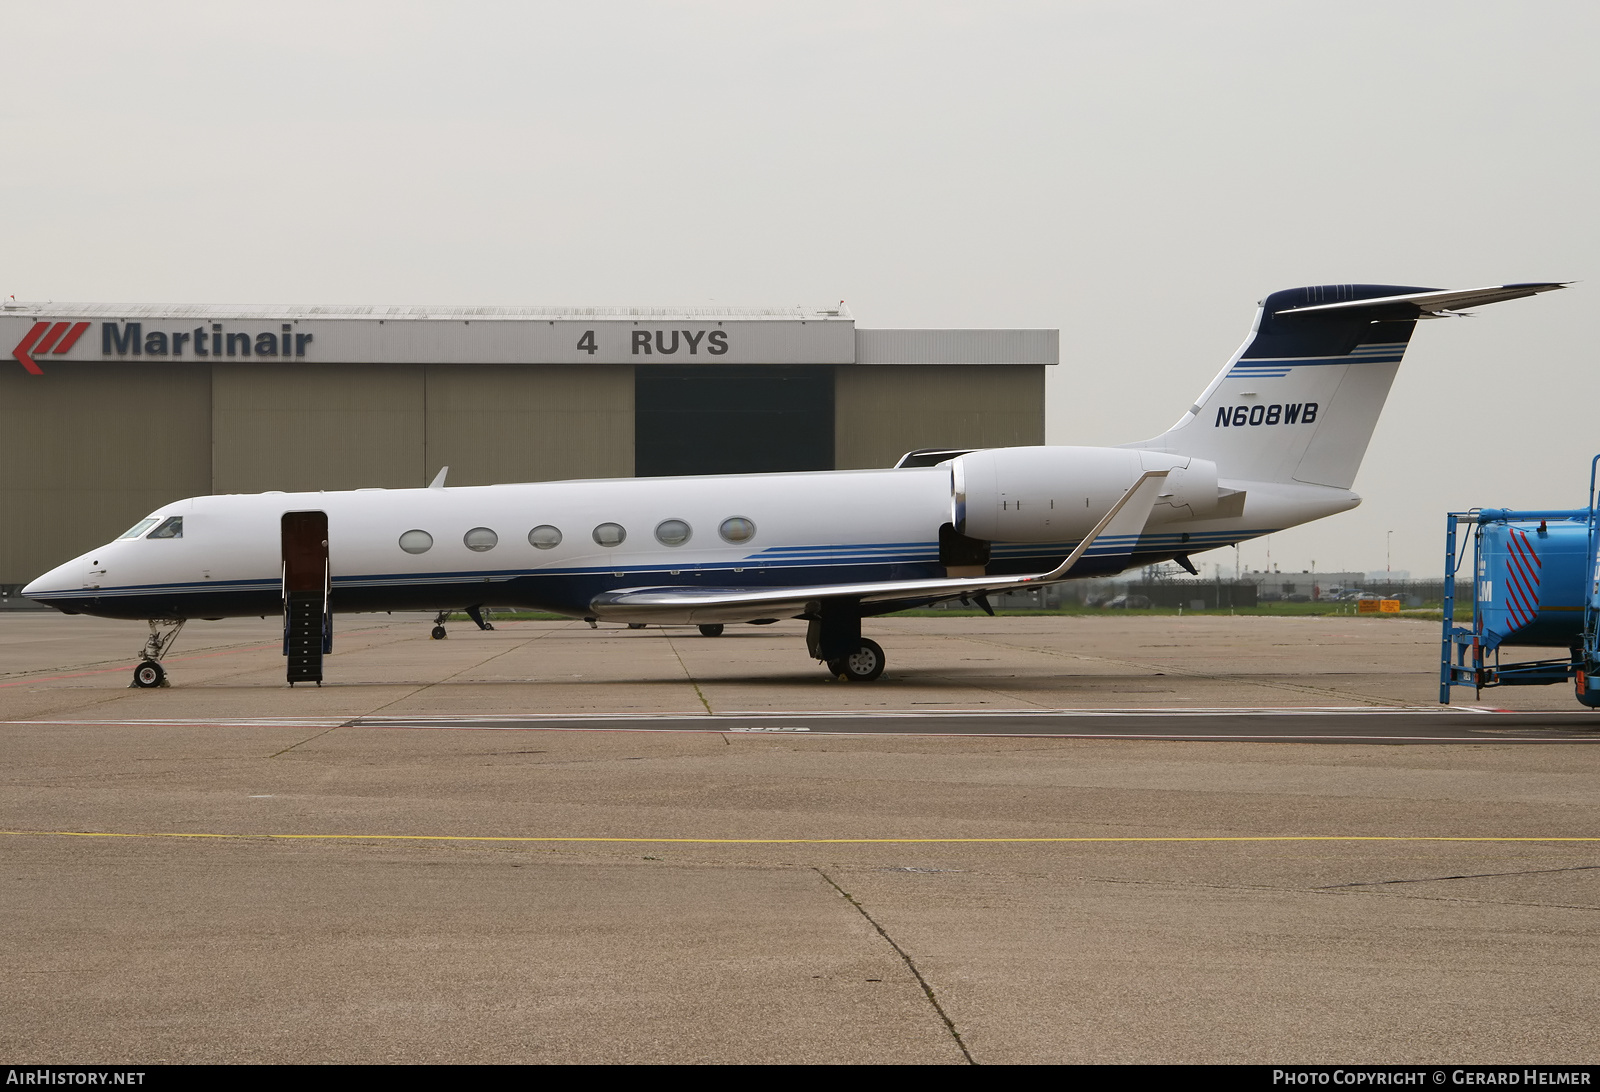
(945, 714)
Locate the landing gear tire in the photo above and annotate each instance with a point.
(711, 629)
(863, 665)
(438, 633)
(150, 673)
(636, 625)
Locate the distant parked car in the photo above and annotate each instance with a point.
(1128, 602)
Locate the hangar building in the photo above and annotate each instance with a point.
(112, 410)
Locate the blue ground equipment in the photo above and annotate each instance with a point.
(1534, 584)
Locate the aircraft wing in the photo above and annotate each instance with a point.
(1420, 304)
(696, 604)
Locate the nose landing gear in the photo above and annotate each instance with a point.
(150, 673)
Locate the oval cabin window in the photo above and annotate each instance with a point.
(673, 532)
(610, 534)
(416, 542)
(480, 539)
(544, 537)
(737, 529)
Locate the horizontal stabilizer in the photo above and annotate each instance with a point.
(1422, 304)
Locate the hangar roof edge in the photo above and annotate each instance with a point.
(424, 312)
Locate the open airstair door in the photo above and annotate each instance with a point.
(307, 617)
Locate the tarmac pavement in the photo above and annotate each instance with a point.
(232, 870)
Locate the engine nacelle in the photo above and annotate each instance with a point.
(1058, 494)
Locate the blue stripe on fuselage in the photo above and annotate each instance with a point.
(569, 590)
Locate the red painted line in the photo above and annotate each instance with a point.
(124, 670)
(21, 351)
(74, 675)
(1516, 598)
(50, 339)
(1517, 583)
(1519, 555)
(1521, 582)
(1531, 551)
(71, 339)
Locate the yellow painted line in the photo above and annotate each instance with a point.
(804, 841)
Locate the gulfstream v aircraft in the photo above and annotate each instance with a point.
(1274, 441)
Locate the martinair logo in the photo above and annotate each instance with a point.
(47, 337)
(122, 339)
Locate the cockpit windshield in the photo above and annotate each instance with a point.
(171, 527)
(138, 529)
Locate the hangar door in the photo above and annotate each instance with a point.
(732, 419)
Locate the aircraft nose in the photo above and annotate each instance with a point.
(58, 581)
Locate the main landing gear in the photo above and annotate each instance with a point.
(834, 637)
(474, 612)
(150, 673)
(863, 665)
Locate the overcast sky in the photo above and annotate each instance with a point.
(1137, 175)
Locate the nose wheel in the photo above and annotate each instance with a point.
(863, 665)
(149, 674)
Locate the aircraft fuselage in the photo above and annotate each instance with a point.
(492, 544)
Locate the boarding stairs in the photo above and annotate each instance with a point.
(307, 595)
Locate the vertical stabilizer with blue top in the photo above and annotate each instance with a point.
(1299, 401)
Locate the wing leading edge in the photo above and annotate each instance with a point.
(1122, 523)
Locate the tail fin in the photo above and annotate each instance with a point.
(1298, 402)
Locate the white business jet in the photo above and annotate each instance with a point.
(1274, 441)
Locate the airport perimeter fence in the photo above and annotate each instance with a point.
(1172, 593)
(1115, 594)
(1418, 593)
(1302, 588)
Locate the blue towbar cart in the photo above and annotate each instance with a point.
(1534, 585)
